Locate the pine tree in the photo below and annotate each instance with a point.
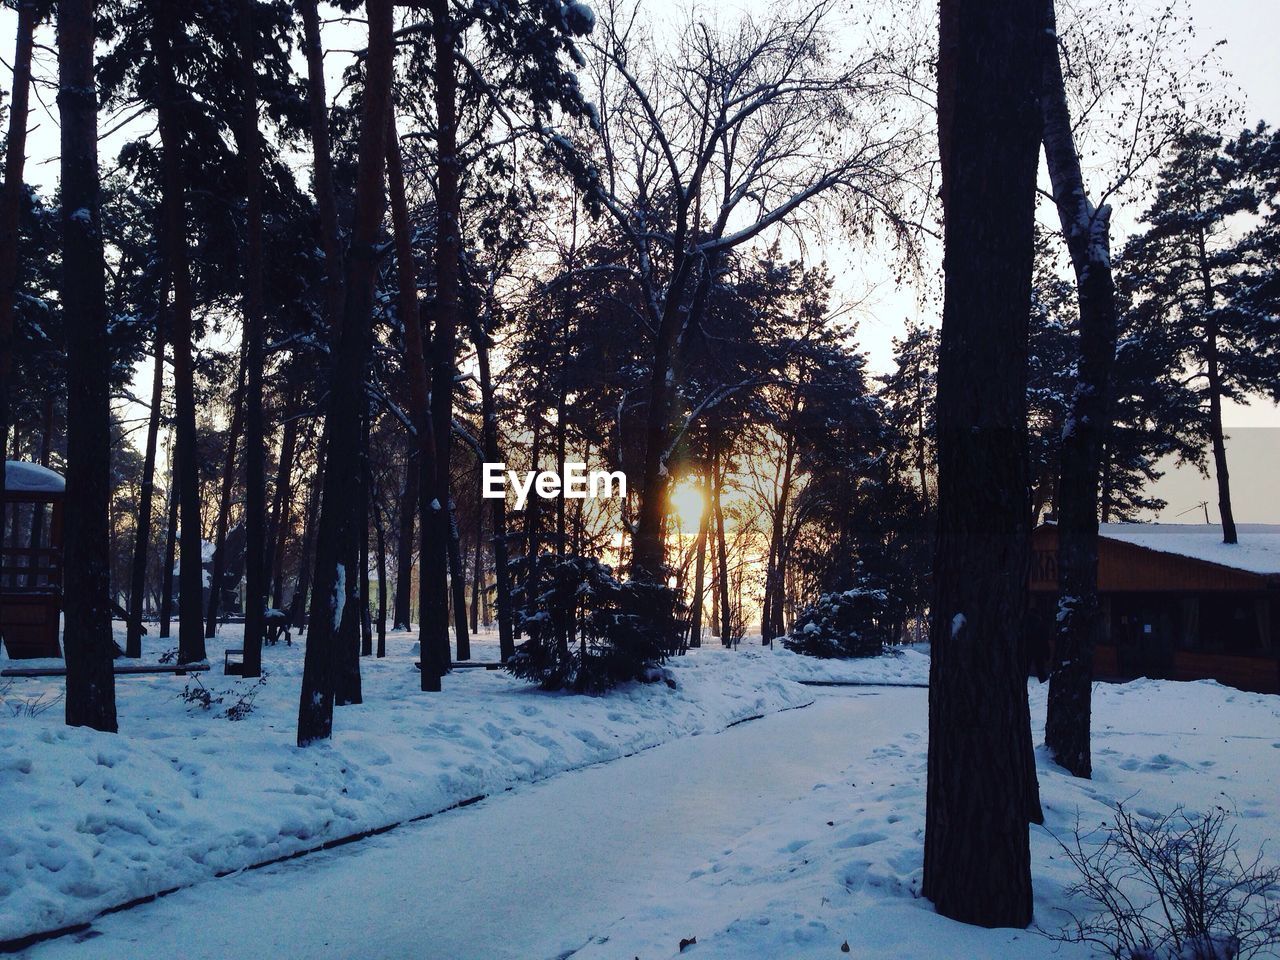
(1195, 284)
(336, 594)
(977, 860)
(88, 646)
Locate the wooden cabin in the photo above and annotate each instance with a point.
(31, 560)
(1178, 603)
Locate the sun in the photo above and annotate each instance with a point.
(686, 499)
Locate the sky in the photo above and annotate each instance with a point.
(1249, 28)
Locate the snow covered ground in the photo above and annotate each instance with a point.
(844, 864)
(183, 793)
(787, 837)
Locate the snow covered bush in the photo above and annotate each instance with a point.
(589, 631)
(843, 624)
(1172, 887)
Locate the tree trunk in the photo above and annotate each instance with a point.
(334, 599)
(722, 561)
(458, 587)
(1086, 232)
(302, 589)
(777, 579)
(477, 568)
(532, 521)
(977, 861)
(170, 545)
(381, 542)
(404, 544)
(1210, 353)
(173, 232)
(366, 481)
(322, 163)
(219, 572)
(489, 438)
(282, 508)
(433, 614)
(11, 204)
(700, 565)
(255, 467)
(87, 643)
(448, 253)
(142, 541)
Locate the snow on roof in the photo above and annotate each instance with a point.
(1257, 552)
(23, 477)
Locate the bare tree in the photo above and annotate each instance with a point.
(1127, 89)
(708, 145)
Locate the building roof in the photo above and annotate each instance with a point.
(23, 477)
(1257, 552)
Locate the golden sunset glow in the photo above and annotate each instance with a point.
(686, 500)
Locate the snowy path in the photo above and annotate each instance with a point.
(531, 874)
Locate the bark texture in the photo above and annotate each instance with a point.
(977, 863)
(1087, 235)
(87, 643)
(173, 233)
(142, 537)
(11, 203)
(255, 497)
(335, 597)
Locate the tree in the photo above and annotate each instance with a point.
(255, 508)
(710, 146)
(11, 199)
(977, 863)
(1191, 285)
(336, 592)
(1086, 230)
(165, 27)
(87, 643)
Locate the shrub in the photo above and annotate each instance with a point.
(588, 631)
(1172, 887)
(840, 625)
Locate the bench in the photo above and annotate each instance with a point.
(463, 664)
(121, 670)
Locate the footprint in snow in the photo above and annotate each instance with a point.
(863, 838)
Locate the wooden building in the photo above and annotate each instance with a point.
(1178, 603)
(31, 560)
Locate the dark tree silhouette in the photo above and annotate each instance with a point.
(977, 860)
(87, 643)
(336, 592)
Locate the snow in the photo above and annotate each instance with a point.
(181, 793)
(23, 477)
(843, 863)
(784, 838)
(904, 666)
(1257, 552)
(339, 600)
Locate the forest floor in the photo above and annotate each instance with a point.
(786, 837)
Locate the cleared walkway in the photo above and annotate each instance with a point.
(526, 875)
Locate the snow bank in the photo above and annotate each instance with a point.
(23, 477)
(182, 793)
(901, 665)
